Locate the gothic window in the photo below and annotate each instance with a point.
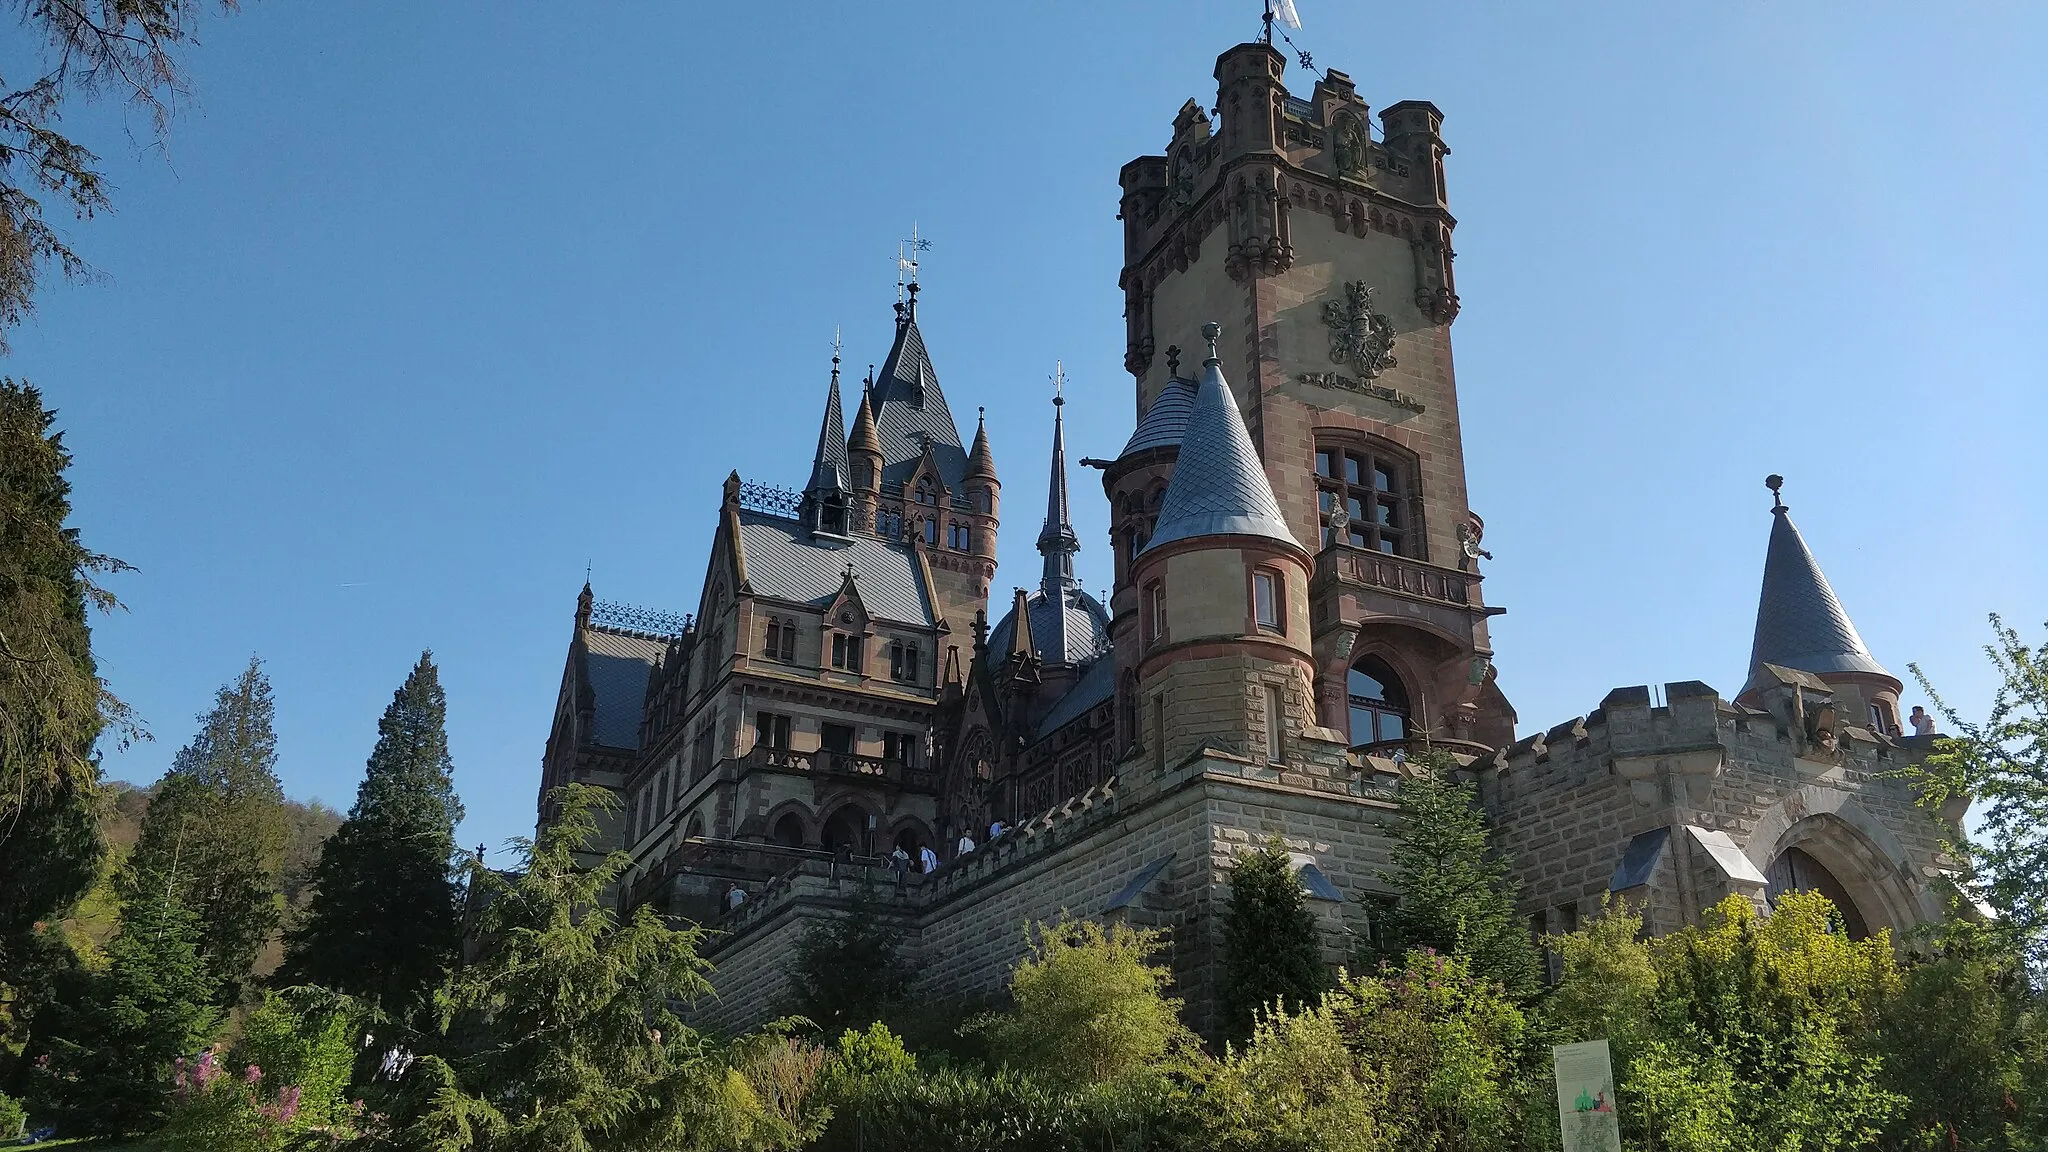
(889, 523)
(901, 747)
(1372, 490)
(1266, 600)
(1796, 871)
(931, 530)
(1379, 705)
(926, 494)
(903, 661)
(771, 730)
(695, 829)
(700, 756)
(789, 831)
(959, 536)
(845, 652)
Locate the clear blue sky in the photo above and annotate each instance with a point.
(428, 304)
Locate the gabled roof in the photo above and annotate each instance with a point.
(1166, 421)
(1068, 629)
(1093, 687)
(616, 666)
(1799, 623)
(1219, 486)
(787, 563)
(910, 409)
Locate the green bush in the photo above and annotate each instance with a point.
(12, 1118)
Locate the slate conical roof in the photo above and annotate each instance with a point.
(1056, 541)
(864, 438)
(828, 468)
(1799, 623)
(979, 461)
(1219, 487)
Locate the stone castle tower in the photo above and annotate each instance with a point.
(1326, 255)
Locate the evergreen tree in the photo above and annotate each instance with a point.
(52, 704)
(847, 974)
(103, 1046)
(1270, 945)
(214, 837)
(383, 923)
(564, 1033)
(1456, 895)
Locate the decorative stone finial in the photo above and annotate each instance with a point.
(1173, 360)
(1212, 332)
(1775, 482)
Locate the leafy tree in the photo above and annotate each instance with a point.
(103, 1047)
(215, 834)
(1272, 951)
(124, 49)
(847, 974)
(1295, 1085)
(1456, 895)
(52, 702)
(383, 923)
(563, 1035)
(1090, 1006)
(2002, 765)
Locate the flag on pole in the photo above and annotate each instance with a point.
(1284, 9)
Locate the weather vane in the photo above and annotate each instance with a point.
(906, 259)
(1059, 382)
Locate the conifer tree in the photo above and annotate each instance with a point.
(847, 974)
(1271, 948)
(383, 923)
(214, 836)
(1456, 895)
(52, 704)
(101, 1055)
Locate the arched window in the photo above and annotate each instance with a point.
(696, 828)
(1379, 705)
(926, 494)
(846, 829)
(1795, 871)
(789, 831)
(1373, 489)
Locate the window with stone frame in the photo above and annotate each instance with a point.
(930, 530)
(781, 643)
(1379, 703)
(959, 536)
(1155, 613)
(846, 652)
(926, 495)
(701, 755)
(889, 523)
(1374, 488)
(1267, 610)
(903, 661)
(771, 730)
(902, 747)
(836, 738)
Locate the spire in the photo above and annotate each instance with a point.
(1219, 487)
(1022, 644)
(1799, 623)
(979, 462)
(910, 408)
(1056, 541)
(584, 603)
(824, 503)
(864, 438)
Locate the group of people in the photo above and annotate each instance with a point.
(899, 859)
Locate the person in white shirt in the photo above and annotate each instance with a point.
(928, 860)
(1923, 724)
(996, 829)
(965, 846)
(736, 897)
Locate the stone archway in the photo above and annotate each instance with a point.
(1842, 853)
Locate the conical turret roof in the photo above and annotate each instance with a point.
(828, 468)
(1799, 622)
(864, 438)
(979, 460)
(1219, 486)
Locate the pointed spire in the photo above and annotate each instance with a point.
(1021, 642)
(864, 438)
(1056, 540)
(979, 461)
(584, 603)
(824, 503)
(1799, 623)
(1219, 487)
(909, 406)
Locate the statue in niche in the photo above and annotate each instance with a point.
(1348, 145)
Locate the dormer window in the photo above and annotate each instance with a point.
(845, 652)
(926, 494)
(781, 643)
(903, 662)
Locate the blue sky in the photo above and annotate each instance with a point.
(427, 305)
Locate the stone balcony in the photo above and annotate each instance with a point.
(845, 764)
(1355, 568)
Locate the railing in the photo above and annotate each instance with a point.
(1360, 568)
(633, 618)
(758, 497)
(842, 764)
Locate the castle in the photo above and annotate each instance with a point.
(1297, 604)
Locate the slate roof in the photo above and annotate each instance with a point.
(788, 563)
(1799, 623)
(1095, 685)
(1219, 486)
(910, 409)
(1068, 630)
(615, 667)
(828, 467)
(1166, 421)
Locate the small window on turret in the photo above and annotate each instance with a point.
(1266, 601)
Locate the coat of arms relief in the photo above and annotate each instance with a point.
(1359, 336)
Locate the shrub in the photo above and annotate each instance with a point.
(12, 1118)
(1091, 1006)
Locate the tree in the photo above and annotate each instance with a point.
(1272, 951)
(847, 974)
(214, 837)
(1456, 895)
(1090, 1006)
(383, 923)
(103, 1046)
(563, 1033)
(2001, 765)
(52, 702)
(125, 49)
